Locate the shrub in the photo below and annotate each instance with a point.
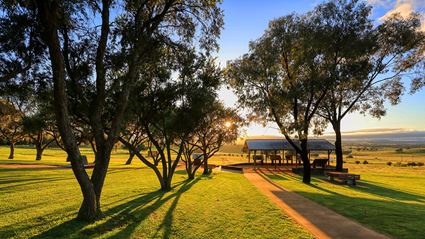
(389, 163)
(350, 156)
(411, 164)
(420, 164)
(399, 150)
(365, 162)
(357, 162)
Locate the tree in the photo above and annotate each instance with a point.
(93, 68)
(135, 136)
(365, 62)
(172, 105)
(37, 127)
(10, 125)
(218, 126)
(281, 79)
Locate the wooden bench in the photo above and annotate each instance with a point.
(347, 178)
(320, 163)
(275, 158)
(258, 158)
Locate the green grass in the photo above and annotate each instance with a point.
(39, 203)
(388, 199)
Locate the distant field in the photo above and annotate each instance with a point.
(229, 154)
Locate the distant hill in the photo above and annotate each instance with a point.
(384, 136)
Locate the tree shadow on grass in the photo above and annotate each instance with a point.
(363, 186)
(127, 216)
(397, 218)
(398, 213)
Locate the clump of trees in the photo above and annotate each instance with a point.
(10, 125)
(219, 125)
(94, 70)
(313, 69)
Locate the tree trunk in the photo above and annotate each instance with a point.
(306, 162)
(90, 208)
(206, 171)
(130, 158)
(165, 184)
(89, 211)
(12, 150)
(39, 153)
(338, 146)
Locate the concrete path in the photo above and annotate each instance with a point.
(319, 220)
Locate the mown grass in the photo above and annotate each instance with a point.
(388, 199)
(40, 203)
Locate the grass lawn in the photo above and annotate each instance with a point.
(40, 203)
(388, 199)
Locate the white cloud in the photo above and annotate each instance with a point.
(403, 7)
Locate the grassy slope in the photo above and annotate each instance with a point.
(388, 199)
(42, 204)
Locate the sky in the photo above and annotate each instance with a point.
(246, 20)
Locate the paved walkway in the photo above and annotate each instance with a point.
(319, 220)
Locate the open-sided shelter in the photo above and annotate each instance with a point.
(279, 146)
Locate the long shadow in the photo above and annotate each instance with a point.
(362, 186)
(393, 214)
(126, 216)
(399, 219)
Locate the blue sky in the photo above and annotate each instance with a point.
(246, 20)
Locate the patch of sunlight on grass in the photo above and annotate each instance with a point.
(40, 203)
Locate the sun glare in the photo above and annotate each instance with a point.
(228, 124)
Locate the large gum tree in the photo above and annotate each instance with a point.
(367, 62)
(281, 79)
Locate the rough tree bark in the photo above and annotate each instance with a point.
(12, 150)
(338, 146)
(130, 158)
(306, 162)
(206, 171)
(48, 13)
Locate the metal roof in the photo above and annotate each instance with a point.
(283, 144)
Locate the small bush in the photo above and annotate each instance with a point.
(350, 156)
(389, 163)
(357, 162)
(420, 164)
(411, 164)
(365, 162)
(399, 150)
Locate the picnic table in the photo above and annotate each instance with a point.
(258, 158)
(275, 158)
(347, 178)
(320, 163)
